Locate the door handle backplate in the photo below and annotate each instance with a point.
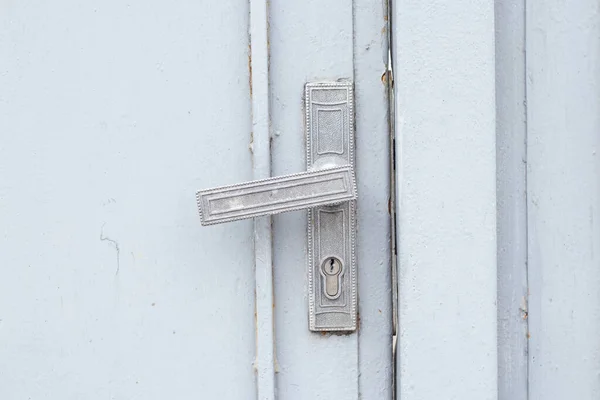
(329, 109)
(327, 189)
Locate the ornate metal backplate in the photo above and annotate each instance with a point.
(331, 229)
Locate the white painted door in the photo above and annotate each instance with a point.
(112, 115)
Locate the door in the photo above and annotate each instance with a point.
(497, 132)
(112, 116)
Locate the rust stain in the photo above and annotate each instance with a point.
(250, 68)
(251, 145)
(277, 368)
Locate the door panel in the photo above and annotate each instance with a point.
(326, 41)
(111, 115)
(563, 198)
(444, 88)
(374, 202)
(307, 44)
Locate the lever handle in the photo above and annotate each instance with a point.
(328, 190)
(276, 195)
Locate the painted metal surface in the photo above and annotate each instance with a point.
(109, 287)
(260, 146)
(121, 294)
(511, 164)
(446, 197)
(563, 184)
(547, 71)
(304, 49)
(326, 46)
(373, 204)
(109, 292)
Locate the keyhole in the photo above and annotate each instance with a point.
(332, 268)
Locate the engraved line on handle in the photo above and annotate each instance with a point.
(275, 195)
(331, 103)
(314, 198)
(342, 188)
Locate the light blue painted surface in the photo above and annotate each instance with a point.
(112, 114)
(309, 41)
(373, 179)
(111, 117)
(446, 199)
(548, 188)
(511, 136)
(563, 185)
(260, 145)
(321, 41)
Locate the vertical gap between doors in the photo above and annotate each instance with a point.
(392, 194)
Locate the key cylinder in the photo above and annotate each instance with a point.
(332, 267)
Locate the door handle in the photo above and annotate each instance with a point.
(276, 195)
(327, 189)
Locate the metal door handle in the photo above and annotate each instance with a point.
(276, 195)
(327, 190)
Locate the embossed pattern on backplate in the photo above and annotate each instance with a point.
(331, 229)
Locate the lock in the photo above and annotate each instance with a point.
(327, 189)
(331, 269)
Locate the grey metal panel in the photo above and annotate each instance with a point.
(372, 174)
(563, 110)
(111, 115)
(446, 194)
(310, 41)
(511, 192)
